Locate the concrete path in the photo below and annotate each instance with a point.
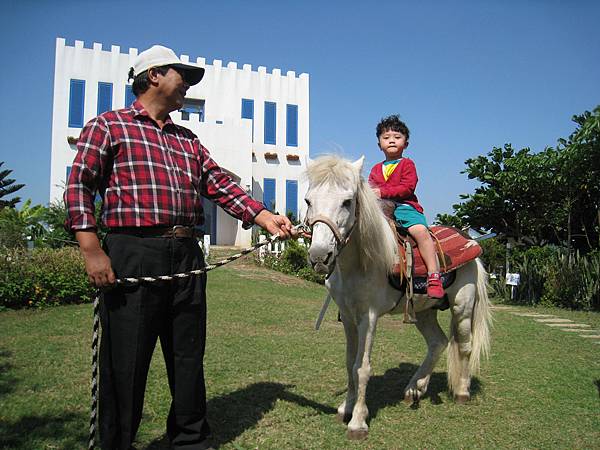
(550, 320)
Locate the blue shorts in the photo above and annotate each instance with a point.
(407, 216)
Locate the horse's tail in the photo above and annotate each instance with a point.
(481, 320)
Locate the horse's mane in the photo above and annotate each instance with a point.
(377, 240)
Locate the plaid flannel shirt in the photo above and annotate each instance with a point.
(147, 176)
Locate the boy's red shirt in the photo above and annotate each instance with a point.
(400, 186)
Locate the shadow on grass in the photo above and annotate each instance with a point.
(388, 389)
(597, 383)
(7, 379)
(232, 414)
(66, 431)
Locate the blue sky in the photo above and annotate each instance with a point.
(465, 75)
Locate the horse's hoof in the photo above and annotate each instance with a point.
(411, 398)
(357, 435)
(343, 418)
(462, 399)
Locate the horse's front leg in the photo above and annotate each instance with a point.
(357, 427)
(437, 341)
(344, 411)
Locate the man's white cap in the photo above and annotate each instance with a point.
(158, 55)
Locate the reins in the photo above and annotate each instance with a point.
(129, 281)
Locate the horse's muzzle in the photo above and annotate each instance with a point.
(321, 262)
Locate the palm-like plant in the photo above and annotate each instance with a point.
(18, 226)
(8, 187)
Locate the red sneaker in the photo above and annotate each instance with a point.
(434, 286)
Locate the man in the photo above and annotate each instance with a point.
(151, 174)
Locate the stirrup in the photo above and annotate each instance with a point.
(409, 312)
(409, 306)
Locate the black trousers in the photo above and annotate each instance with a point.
(132, 319)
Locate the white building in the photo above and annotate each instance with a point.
(254, 123)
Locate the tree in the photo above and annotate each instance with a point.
(540, 198)
(514, 187)
(7, 187)
(580, 179)
(449, 220)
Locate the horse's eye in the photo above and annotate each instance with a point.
(347, 203)
(307, 202)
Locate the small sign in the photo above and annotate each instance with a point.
(513, 279)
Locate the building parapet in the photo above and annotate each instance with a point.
(217, 64)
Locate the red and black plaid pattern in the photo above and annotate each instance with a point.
(147, 176)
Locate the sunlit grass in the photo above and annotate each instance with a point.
(274, 383)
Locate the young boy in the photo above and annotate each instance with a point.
(395, 179)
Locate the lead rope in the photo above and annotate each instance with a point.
(96, 325)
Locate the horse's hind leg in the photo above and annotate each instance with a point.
(436, 341)
(459, 350)
(344, 411)
(357, 427)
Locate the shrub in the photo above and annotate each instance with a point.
(534, 264)
(295, 255)
(572, 282)
(498, 287)
(550, 276)
(294, 261)
(494, 255)
(43, 277)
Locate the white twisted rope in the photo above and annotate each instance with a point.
(96, 326)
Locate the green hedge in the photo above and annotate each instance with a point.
(43, 277)
(549, 276)
(294, 261)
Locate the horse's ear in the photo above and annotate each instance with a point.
(358, 164)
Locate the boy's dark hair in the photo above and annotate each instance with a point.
(141, 83)
(392, 123)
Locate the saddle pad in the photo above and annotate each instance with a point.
(420, 283)
(458, 249)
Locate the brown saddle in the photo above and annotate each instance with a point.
(454, 249)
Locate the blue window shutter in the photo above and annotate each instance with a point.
(291, 198)
(269, 194)
(248, 112)
(291, 135)
(68, 173)
(76, 102)
(247, 108)
(129, 96)
(270, 122)
(104, 97)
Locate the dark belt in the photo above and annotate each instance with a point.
(177, 231)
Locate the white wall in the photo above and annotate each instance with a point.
(222, 88)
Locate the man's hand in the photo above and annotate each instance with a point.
(97, 263)
(275, 224)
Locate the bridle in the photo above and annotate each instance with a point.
(341, 241)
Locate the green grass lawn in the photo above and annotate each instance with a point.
(274, 383)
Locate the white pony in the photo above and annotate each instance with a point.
(352, 241)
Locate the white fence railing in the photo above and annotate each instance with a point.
(204, 244)
(272, 248)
